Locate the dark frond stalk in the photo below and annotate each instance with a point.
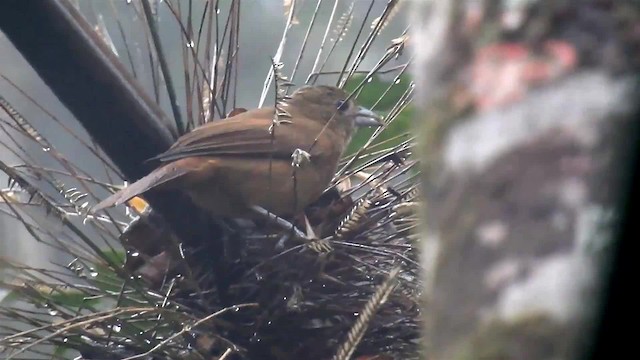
(235, 53)
(324, 40)
(341, 80)
(189, 45)
(197, 81)
(278, 56)
(212, 60)
(375, 31)
(305, 40)
(151, 55)
(164, 67)
(395, 80)
(220, 70)
(232, 52)
(368, 312)
(193, 48)
(116, 15)
(342, 27)
(387, 19)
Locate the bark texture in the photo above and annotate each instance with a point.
(523, 171)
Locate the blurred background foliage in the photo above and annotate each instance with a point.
(369, 97)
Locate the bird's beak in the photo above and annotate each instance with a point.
(366, 117)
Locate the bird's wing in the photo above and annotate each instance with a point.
(157, 177)
(247, 135)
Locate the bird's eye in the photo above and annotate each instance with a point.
(342, 105)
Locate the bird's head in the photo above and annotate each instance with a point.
(329, 104)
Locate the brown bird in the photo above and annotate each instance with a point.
(233, 166)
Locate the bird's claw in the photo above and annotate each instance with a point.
(321, 246)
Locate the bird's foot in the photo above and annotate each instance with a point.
(284, 224)
(309, 236)
(321, 246)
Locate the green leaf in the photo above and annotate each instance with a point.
(103, 277)
(8, 296)
(372, 90)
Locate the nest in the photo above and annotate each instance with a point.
(297, 298)
(353, 289)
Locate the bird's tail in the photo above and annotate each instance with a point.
(156, 178)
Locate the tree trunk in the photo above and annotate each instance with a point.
(525, 125)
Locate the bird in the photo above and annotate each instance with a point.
(233, 166)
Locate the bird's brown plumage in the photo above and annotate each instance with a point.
(227, 166)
